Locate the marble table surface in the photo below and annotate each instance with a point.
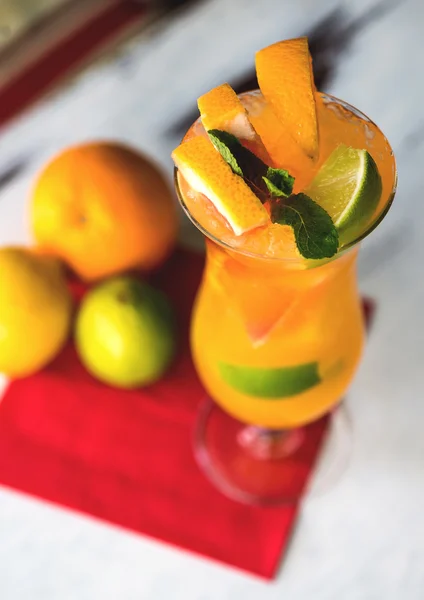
(363, 539)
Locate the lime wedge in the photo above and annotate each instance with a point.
(270, 383)
(348, 186)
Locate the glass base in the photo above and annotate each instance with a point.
(261, 466)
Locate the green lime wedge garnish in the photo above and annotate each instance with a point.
(271, 383)
(348, 186)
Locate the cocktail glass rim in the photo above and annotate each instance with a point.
(347, 246)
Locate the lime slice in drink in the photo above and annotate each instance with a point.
(270, 383)
(348, 186)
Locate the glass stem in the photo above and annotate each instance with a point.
(270, 444)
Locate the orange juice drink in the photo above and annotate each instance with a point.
(277, 330)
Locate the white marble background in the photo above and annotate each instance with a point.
(363, 540)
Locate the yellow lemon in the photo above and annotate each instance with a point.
(35, 310)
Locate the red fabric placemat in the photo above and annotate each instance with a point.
(126, 456)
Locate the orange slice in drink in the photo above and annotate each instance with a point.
(207, 173)
(222, 109)
(257, 297)
(286, 80)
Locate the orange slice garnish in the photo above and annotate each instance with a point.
(286, 80)
(207, 173)
(222, 109)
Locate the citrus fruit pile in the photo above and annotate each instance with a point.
(99, 210)
(257, 163)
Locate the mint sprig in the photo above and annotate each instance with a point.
(243, 162)
(262, 179)
(279, 182)
(314, 231)
(229, 147)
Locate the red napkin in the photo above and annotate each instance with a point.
(126, 456)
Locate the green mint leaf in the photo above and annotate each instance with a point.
(314, 230)
(228, 146)
(244, 163)
(279, 182)
(273, 189)
(241, 160)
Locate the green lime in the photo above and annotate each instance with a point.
(271, 383)
(348, 186)
(125, 332)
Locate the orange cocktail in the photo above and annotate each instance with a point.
(261, 308)
(277, 330)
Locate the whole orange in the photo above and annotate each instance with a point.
(103, 208)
